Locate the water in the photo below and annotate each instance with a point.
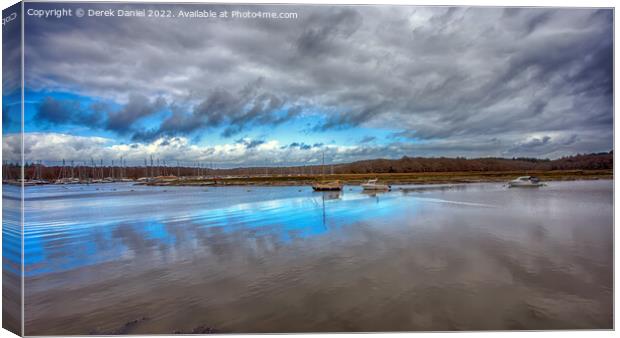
(118, 258)
(11, 258)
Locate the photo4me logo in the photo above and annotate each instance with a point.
(9, 18)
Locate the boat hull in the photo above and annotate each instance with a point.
(375, 187)
(524, 185)
(327, 187)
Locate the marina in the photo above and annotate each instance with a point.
(321, 177)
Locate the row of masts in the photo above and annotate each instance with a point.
(118, 170)
(97, 170)
(85, 170)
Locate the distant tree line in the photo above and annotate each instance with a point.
(595, 161)
(445, 164)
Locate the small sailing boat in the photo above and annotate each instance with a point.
(326, 185)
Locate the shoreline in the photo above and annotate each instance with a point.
(390, 178)
(419, 178)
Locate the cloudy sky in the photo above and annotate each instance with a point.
(353, 82)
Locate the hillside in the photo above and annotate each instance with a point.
(442, 164)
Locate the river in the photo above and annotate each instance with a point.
(118, 258)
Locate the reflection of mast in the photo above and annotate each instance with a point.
(323, 165)
(323, 198)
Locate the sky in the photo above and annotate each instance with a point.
(352, 82)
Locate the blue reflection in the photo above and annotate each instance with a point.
(63, 232)
(11, 229)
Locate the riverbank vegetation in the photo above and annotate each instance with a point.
(390, 178)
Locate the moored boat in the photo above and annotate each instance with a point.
(327, 186)
(373, 185)
(525, 182)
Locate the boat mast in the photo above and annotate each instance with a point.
(323, 165)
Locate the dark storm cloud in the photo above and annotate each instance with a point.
(448, 76)
(353, 118)
(249, 144)
(302, 146)
(56, 111)
(322, 29)
(52, 111)
(138, 107)
(235, 111)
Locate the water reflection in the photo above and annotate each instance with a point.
(326, 196)
(283, 259)
(431, 188)
(11, 229)
(374, 194)
(68, 242)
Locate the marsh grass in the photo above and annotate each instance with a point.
(396, 178)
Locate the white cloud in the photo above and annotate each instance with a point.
(55, 147)
(52, 148)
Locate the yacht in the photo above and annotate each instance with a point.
(327, 186)
(525, 182)
(373, 185)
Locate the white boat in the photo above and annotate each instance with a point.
(67, 181)
(525, 182)
(373, 185)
